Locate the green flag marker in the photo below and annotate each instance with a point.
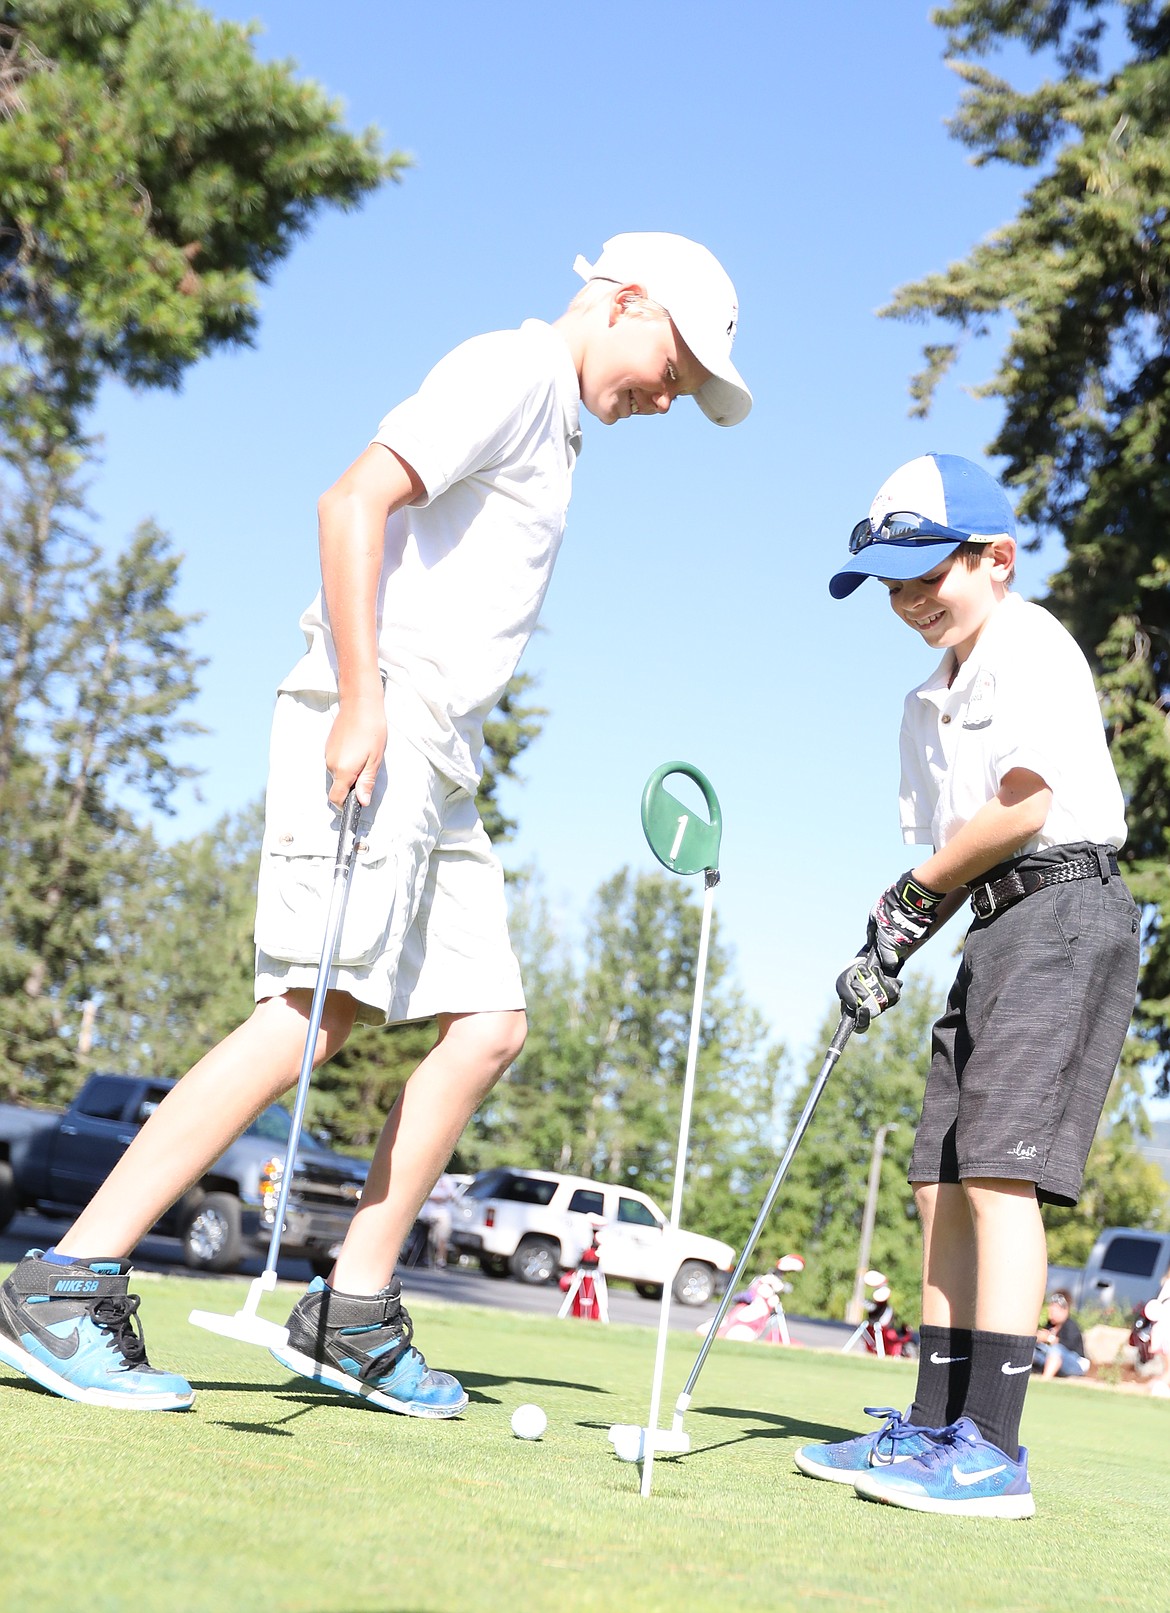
(680, 839)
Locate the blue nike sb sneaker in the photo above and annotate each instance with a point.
(961, 1473)
(897, 1440)
(74, 1329)
(362, 1345)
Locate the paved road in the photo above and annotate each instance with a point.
(462, 1285)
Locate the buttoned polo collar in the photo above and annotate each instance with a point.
(938, 689)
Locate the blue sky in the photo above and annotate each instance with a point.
(689, 616)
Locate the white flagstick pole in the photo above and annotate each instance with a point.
(712, 879)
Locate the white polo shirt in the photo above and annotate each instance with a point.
(493, 434)
(1023, 698)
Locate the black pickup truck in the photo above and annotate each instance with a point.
(55, 1163)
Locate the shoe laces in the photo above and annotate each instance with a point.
(378, 1365)
(116, 1314)
(895, 1426)
(944, 1443)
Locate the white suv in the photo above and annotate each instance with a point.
(536, 1223)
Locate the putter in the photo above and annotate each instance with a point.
(675, 1440)
(246, 1325)
(685, 844)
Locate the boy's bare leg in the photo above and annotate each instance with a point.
(948, 1255)
(198, 1119)
(419, 1137)
(1011, 1255)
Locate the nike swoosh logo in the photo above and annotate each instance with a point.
(63, 1346)
(973, 1478)
(1010, 1371)
(945, 1360)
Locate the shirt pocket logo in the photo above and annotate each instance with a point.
(981, 702)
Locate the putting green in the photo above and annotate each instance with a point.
(272, 1493)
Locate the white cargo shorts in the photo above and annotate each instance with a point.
(426, 926)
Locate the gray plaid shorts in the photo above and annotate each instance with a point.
(1023, 1057)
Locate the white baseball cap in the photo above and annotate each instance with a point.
(693, 287)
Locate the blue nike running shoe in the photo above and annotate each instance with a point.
(73, 1330)
(897, 1440)
(362, 1345)
(961, 1473)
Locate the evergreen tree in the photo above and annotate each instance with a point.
(636, 997)
(878, 1081)
(1083, 276)
(537, 1114)
(507, 734)
(152, 173)
(179, 934)
(108, 716)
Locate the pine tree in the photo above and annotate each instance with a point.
(108, 716)
(152, 173)
(877, 1082)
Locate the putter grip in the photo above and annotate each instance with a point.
(351, 817)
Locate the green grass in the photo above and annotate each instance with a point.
(275, 1496)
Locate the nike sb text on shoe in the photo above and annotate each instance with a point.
(72, 1329)
(895, 1441)
(362, 1345)
(961, 1473)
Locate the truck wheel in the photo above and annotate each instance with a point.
(694, 1284)
(493, 1265)
(211, 1233)
(9, 1203)
(649, 1290)
(537, 1260)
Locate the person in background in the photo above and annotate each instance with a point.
(1060, 1345)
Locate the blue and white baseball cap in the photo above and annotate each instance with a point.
(954, 500)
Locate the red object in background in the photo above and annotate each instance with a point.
(894, 1339)
(585, 1302)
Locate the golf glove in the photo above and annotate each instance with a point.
(901, 917)
(866, 990)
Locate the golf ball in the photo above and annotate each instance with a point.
(528, 1422)
(626, 1439)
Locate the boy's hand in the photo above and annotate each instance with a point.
(866, 990)
(355, 748)
(901, 919)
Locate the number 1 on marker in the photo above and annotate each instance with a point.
(682, 829)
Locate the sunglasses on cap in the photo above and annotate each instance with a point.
(903, 526)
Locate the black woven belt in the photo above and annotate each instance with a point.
(997, 894)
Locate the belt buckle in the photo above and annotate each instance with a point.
(986, 892)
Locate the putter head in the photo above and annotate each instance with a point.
(245, 1325)
(630, 1442)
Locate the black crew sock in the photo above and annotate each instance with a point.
(944, 1371)
(1001, 1365)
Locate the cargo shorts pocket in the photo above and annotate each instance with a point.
(294, 889)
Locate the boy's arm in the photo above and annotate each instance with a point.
(352, 518)
(995, 833)
(909, 912)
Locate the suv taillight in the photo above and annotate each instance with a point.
(489, 1216)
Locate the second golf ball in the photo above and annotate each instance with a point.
(528, 1422)
(627, 1442)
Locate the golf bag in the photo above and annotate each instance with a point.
(585, 1291)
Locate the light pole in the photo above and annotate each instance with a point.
(854, 1312)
